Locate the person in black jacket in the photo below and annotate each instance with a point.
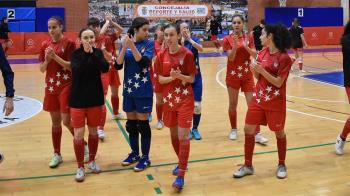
(257, 33)
(215, 25)
(4, 38)
(87, 98)
(8, 76)
(345, 42)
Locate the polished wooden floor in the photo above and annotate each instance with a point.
(317, 112)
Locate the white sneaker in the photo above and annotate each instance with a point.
(339, 146)
(80, 176)
(160, 125)
(101, 134)
(233, 134)
(259, 138)
(86, 153)
(243, 171)
(55, 161)
(119, 116)
(94, 167)
(281, 172)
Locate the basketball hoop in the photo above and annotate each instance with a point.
(283, 3)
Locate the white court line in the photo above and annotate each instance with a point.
(289, 110)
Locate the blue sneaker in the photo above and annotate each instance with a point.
(132, 158)
(196, 134)
(176, 170)
(144, 162)
(191, 135)
(179, 183)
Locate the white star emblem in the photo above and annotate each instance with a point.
(240, 68)
(65, 76)
(155, 75)
(258, 100)
(164, 100)
(129, 90)
(246, 63)
(233, 73)
(276, 93)
(261, 92)
(136, 85)
(254, 94)
(240, 75)
(51, 89)
(246, 70)
(137, 76)
(58, 83)
(129, 81)
(169, 96)
(177, 99)
(144, 80)
(171, 104)
(267, 98)
(185, 92)
(177, 90)
(58, 74)
(269, 89)
(51, 80)
(144, 70)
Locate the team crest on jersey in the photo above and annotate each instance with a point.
(181, 61)
(62, 50)
(275, 64)
(24, 108)
(143, 50)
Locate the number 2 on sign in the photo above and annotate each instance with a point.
(300, 12)
(11, 14)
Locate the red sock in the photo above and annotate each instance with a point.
(115, 104)
(159, 109)
(233, 119)
(79, 151)
(346, 130)
(93, 145)
(282, 150)
(257, 130)
(56, 139)
(103, 117)
(175, 142)
(300, 65)
(249, 149)
(184, 153)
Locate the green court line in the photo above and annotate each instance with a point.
(169, 164)
(118, 123)
(158, 191)
(150, 177)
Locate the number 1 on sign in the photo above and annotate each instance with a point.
(300, 12)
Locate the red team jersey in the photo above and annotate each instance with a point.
(176, 95)
(155, 78)
(238, 69)
(56, 77)
(268, 96)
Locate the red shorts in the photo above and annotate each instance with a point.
(92, 116)
(298, 49)
(347, 89)
(246, 85)
(114, 79)
(105, 82)
(57, 102)
(214, 38)
(259, 116)
(181, 118)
